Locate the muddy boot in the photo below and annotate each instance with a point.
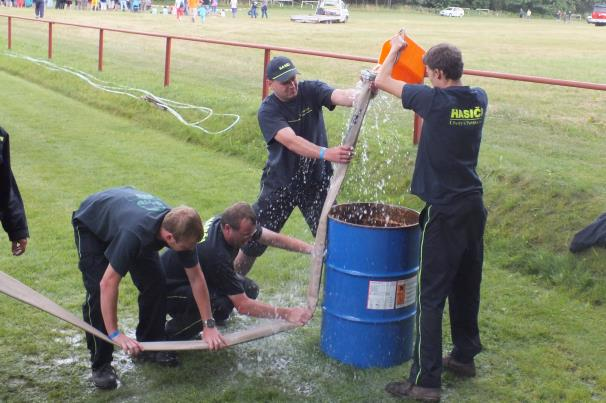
(105, 377)
(407, 390)
(467, 370)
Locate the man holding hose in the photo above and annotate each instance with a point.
(298, 169)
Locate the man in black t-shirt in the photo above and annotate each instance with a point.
(119, 231)
(224, 235)
(453, 219)
(298, 170)
(12, 212)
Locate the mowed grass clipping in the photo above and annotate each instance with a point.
(541, 162)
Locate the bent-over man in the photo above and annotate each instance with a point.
(224, 235)
(120, 231)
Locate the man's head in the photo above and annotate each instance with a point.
(238, 223)
(444, 60)
(182, 228)
(281, 74)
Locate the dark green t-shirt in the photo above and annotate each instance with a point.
(128, 220)
(304, 115)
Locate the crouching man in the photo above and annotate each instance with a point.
(120, 231)
(225, 235)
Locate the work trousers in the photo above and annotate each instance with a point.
(274, 208)
(181, 306)
(452, 249)
(147, 276)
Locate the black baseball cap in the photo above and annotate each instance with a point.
(281, 68)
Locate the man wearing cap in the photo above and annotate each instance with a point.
(298, 170)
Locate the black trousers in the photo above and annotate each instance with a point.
(147, 277)
(182, 307)
(452, 253)
(273, 209)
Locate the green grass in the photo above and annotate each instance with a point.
(542, 317)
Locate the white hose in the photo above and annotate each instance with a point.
(162, 103)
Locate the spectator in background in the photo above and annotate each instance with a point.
(213, 6)
(253, 9)
(12, 211)
(39, 5)
(528, 13)
(521, 12)
(264, 9)
(123, 6)
(202, 13)
(234, 7)
(192, 6)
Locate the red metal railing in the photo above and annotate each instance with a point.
(267, 53)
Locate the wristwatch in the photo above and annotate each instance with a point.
(209, 323)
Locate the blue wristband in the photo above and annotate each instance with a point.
(115, 334)
(322, 152)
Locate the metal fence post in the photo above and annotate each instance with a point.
(416, 130)
(100, 50)
(10, 32)
(265, 90)
(50, 40)
(167, 62)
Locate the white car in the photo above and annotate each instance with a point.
(452, 12)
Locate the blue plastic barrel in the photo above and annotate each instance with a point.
(370, 287)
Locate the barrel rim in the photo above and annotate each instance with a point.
(399, 227)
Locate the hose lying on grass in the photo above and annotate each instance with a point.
(137, 93)
(19, 291)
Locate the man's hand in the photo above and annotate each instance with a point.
(339, 154)
(213, 338)
(397, 42)
(298, 315)
(19, 246)
(128, 345)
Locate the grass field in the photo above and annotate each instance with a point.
(542, 314)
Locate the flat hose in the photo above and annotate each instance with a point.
(19, 291)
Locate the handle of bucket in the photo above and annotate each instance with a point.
(402, 33)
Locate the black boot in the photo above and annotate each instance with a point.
(105, 377)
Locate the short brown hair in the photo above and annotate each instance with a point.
(184, 223)
(236, 213)
(445, 57)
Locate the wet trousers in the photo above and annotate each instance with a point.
(452, 248)
(147, 277)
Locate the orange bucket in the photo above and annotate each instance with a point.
(409, 67)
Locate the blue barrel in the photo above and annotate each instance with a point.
(370, 286)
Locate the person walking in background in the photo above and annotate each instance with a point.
(39, 8)
(298, 168)
(118, 232)
(192, 5)
(213, 6)
(452, 221)
(223, 237)
(253, 9)
(12, 211)
(234, 7)
(264, 9)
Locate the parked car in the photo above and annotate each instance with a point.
(598, 16)
(452, 12)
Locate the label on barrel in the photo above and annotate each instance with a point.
(391, 294)
(406, 292)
